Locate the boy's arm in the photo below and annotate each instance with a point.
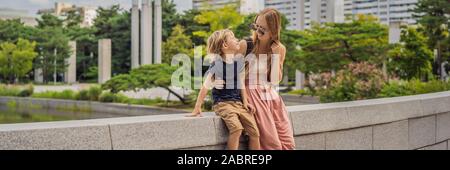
(201, 97)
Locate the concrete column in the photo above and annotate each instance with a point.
(315, 11)
(135, 34)
(335, 11)
(146, 30)
(301, 14)
(299, 80)
(38, 77)
(394, 37)
(158, 31)
(394, 32)
(70, 76)
(104, 60)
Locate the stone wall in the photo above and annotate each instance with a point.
(412, 122)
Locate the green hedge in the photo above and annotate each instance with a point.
(66, 94)
(413, 87)
(17, 91)
(91, 94)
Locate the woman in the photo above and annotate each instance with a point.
(271, 115)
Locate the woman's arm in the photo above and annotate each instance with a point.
(242, 47)
(279, 51)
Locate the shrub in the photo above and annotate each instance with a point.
(301, 92)
(356, 82)
(94, 93)
(27, 91)
(66, 94)
(82, 95)
(121, 98)
(395, 88)
(107, 97)
(8, 90)
(413, 87)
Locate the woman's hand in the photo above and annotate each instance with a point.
(218, 84)
(276, 47)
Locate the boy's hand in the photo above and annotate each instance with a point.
(197, 112)
(250, 108)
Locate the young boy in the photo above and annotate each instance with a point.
(230, 103)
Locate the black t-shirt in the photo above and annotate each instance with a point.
(229, 72)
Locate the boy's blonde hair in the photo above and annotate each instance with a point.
(216, 41)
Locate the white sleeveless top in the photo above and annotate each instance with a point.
(258, 71)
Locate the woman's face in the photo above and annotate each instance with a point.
(263, 33)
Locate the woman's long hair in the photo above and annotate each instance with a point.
(273, 19)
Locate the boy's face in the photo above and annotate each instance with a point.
(231, 44)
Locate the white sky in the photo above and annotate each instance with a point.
(34, 5)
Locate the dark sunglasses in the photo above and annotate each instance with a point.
(257, 28)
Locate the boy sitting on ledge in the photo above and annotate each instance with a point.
(229, 103)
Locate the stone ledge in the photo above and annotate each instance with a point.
(349, 125)
(348, 115)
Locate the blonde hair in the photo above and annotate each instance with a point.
(216, 41)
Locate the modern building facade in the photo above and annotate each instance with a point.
(292, 9)
(244, 6)
(87, 13)
(386, 10)
(302, 13)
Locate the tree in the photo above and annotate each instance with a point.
(412, 58)
(223, 18)
(243, 30)
(53, 45)
(49, 20)
(291, 40)
(86, 50)
(12, 30)
(144, 77)
(177, 43)
(434, 16)
(331, 46)
(16, 59)
(50, 40)
(101, 22)
(115, 24)
(188, 21)
(170, 18)
(73, 19)
(121, 82)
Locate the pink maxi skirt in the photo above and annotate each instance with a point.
(272, 119)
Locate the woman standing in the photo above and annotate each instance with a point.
(271, 115)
